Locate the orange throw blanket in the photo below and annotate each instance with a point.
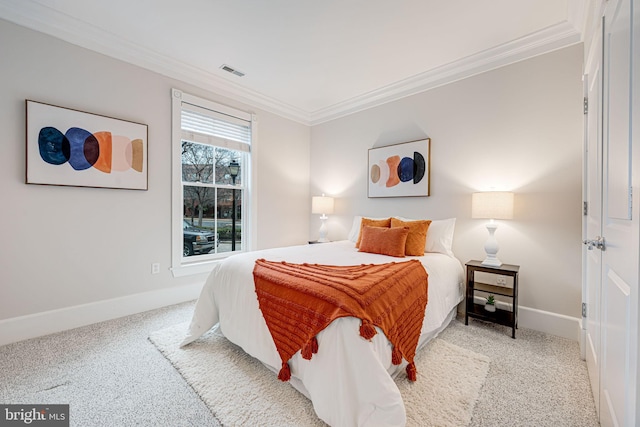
(300, 300)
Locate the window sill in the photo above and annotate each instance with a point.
(192, 269)
(200, 267)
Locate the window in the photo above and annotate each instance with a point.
(211, 170)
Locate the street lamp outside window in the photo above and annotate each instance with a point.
(234, 169)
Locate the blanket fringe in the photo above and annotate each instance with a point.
(285, 372)
(412, 373)
(309, 349)
(396, 356)
(367, 330)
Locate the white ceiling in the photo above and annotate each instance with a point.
(310, 60)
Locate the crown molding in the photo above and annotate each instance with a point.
(41, 18)
(577, 14)
(46, 20)
(549, 39)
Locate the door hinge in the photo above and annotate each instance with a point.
(585, 208)
(584, 309)
(585, 105)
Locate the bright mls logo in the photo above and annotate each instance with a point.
(34, 415)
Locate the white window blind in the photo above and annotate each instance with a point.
(211, 127)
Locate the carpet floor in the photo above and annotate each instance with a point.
(240, 391)
(112, 375)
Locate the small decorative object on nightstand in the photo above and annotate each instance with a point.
(490, 305)
(481, 311)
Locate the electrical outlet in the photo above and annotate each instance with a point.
(502, 281)
(155, 268)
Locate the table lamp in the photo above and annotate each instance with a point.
(492, 205)
(322, 205)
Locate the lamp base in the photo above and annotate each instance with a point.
(492, 262)
(491, 247)
(323, 229)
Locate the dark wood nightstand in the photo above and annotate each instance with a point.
(474, 310)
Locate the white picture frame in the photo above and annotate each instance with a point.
(400, 170)
(75, 148)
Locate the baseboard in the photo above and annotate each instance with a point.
(540, 320)
(35, 325)
(543, 321)
(550, 323)
(49, 322)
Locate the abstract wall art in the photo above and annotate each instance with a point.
(75, 148)
(400, 170)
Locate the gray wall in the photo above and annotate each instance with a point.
(516, 128)
(63, 246)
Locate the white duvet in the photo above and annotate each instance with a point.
(350, 379)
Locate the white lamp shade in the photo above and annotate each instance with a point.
(492, 205)
(322, 205)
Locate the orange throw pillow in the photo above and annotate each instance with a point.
(417, 238)
(373, 223)
(384, 241)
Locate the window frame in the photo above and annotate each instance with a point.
(198, 264)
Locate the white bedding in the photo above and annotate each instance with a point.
(350, 379)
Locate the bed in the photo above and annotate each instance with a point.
(350, 381)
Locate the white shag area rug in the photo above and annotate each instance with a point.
(241, 391)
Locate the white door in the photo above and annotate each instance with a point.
(592, 255)
(619, 303)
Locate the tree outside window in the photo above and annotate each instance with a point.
(208, 194)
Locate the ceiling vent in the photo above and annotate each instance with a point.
(232, 70)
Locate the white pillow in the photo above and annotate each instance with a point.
(439, 235)
(355, 229)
